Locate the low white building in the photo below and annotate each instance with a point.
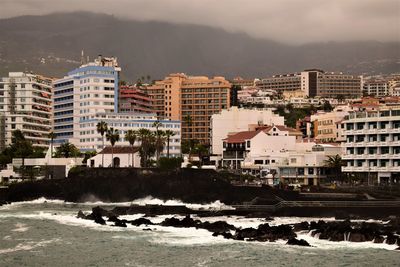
(238, 119)
(90, 139)
(275, 155)
(117, 157)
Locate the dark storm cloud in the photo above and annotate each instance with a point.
(292, 21)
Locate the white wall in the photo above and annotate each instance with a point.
(125, 160)
(238, 120)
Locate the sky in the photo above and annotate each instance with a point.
(289, 21)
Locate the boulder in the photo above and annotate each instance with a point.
(218, 226)
(379, 239)
(120, 223)
(227, 235)
(301, 226)
(100, 220)
(81, 215)
(141, 221)
(185, 222)
(296, 242)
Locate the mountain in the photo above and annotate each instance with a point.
(52, 44)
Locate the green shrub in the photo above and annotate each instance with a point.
(169, 163)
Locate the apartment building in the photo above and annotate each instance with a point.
(85, 91)
(26, 105)
(327, 125)
(90, 139)
(133, 100)
(194, 97)
(313, 83)
(372, 146)
(376, 88)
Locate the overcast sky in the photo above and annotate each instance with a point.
(290, 21)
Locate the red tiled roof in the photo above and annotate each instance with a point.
(241, 137)
(120, 150)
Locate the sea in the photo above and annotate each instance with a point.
(47, 233)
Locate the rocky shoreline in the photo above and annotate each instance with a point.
(339, 230)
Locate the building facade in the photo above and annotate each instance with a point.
(133, 100)
(91, 88)
(90, 139)
(236, 120)
(372, 146)
(276, 156)
(327, 125)
(315, 82)
(179, 97)
(26, 105)
(376, 88)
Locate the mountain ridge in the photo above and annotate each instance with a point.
(51, 45)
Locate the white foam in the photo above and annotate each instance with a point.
(21, 227)
(326, 244)
(29, 245)
(216, 205)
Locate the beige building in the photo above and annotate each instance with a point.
(314, 82)
(327, 127)
(197, 97)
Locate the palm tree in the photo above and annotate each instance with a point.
(102, 128)
(51, 135)
(160, 142)
(200, 150)
(168, 134)
(112, 135)
(147, 145)
(130, 136)
(189, 121)
(67, 150)
(335, 163)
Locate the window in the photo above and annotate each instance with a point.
(258, 161)
(248, 143)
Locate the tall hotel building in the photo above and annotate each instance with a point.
(315, 82)
(85, 91)
(179, 96)
(372, 146)
(25, 105)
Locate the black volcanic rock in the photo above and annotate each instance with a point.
(296, 242)
(141, 221)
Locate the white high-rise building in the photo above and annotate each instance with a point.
(236, 120)
(25, 105)
(85, 91)
(372, 146)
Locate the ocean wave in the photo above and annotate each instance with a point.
(20, 227)
(216, 205)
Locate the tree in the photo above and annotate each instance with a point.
(131, 137)
(102, 128)
(20, 147)
(112, 135)
(147, 145)
(327, 106)
(67, 150)
(168, 135)
(51, 135)
(335, 163)
(200, 150)
(159, 139)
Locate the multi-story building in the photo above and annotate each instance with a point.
(327, 125)
(372, 146)
(376, 88)
(26, 105)
(91, 88)
(133, 100)
(90, 139)
(276, 155)
(315, 82)
(236, 120)
(194, 97)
